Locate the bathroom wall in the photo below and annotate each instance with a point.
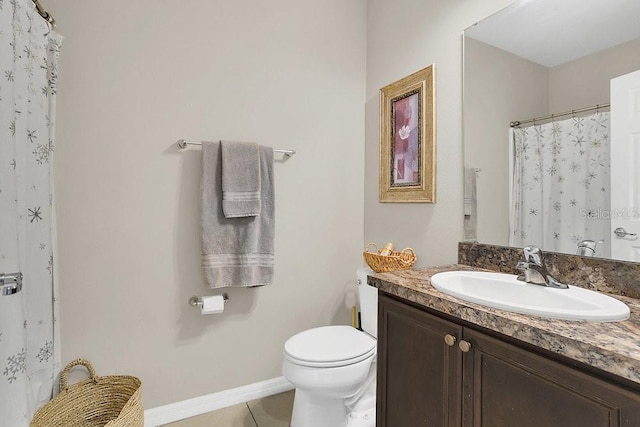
(499, 88)
(586, 81)
(137, 77)
(404, 36)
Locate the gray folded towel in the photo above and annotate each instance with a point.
(470, 205)
(240, 179)
(236, 251)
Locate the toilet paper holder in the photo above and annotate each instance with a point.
(197, 301)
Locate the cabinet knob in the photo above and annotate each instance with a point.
(465, 346)
(450, 340)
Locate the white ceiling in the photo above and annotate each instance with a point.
(552, 32)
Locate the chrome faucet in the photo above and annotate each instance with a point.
(588, 247)
(535, 271)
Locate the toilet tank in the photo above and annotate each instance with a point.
(368, 303)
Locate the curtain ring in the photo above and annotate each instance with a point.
(597, 108)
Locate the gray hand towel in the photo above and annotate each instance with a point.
(240, 179)
(236, 251)
(470, 205)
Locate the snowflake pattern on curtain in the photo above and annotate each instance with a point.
(29, 352)
(560, 192)
(16, 364)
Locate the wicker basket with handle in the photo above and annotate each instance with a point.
(402, 260)
(109, 401)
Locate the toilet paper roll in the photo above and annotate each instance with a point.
(213, 304)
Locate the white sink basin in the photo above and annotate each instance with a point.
(505, 292)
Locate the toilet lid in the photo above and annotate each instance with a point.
(329, 345)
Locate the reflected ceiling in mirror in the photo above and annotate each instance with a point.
(552, 32)
(532, 59)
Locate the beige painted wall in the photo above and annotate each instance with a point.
(498, 88)
(404, 36)
(136, 78)
(585, 81)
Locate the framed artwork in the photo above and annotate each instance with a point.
(407, 139)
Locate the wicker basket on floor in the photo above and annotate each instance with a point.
(402, 260)
(109, 401)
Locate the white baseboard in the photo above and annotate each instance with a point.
(199, 405)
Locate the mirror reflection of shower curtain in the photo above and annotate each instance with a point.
(560, 184)
(29, 351)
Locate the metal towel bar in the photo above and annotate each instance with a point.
(182, 143)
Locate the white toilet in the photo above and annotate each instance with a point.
(333, 369)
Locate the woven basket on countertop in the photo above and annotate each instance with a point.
(109, 401)
(402, 260)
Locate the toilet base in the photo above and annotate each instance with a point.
(362, 419)
(316, 411)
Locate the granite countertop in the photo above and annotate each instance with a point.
(611, 347)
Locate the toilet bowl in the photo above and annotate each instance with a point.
(333, 369)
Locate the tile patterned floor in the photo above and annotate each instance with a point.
(272, 411)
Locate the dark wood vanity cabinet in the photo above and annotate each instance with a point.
(425, 378)
(419, 375)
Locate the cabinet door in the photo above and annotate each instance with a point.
(508, 386)
(419, 375)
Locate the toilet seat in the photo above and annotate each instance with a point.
(329, 346)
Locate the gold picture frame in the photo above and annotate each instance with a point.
(407, 139)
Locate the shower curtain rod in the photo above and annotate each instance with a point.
(46, 15)
(553, 116)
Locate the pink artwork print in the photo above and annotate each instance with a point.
(405, 141)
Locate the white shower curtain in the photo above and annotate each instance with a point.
(560, 189)
(29, 348)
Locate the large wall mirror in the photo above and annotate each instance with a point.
(551, 119)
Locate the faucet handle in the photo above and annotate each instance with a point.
(590, 244)
(533, 254)
(523, 269)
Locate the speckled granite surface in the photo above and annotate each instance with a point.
(604, 275)
(611, 347)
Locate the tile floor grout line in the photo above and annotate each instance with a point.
(254, 418)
